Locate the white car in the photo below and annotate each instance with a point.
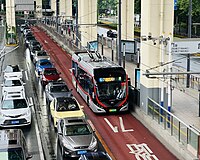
(15, 110)
(12, 71)
(12, 84)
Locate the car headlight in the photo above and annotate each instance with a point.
(93, 144)
(67, 145)
(26, 113)
(2, 115)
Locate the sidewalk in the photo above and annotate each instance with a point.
(185, 101)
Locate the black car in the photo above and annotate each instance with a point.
(56, 89)
(100, 155)
(33, 50)
(111, 34)
(13, 145)
(34, 43)
(28, 39)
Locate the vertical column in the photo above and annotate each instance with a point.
(88, 19)
(62, 11)
(68, 9)
(38, 9)
(10, 22)
(53, 6)
(127, 20)
(157, 18)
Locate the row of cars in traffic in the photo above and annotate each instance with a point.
(15, 111)
(76, 137)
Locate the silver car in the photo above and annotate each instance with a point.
(76, 137)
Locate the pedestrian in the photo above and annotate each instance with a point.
(69, 31)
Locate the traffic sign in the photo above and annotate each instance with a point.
(186, 47)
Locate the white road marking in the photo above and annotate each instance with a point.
(141, 151)
(38, 135)
(122, 126)
(115, 129)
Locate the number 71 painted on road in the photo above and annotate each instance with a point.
(115, 128)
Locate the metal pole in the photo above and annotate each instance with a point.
(112, 49)
(189, 36)
(77, 35)
(199, 103)
(119, 34)
(124, 50)
(102, 44)
(57, 15)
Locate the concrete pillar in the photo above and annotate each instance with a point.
(10, 21)
(127, 19)
(38, 9)
(68, 9)
(156, 20)
(62, 11)
(53, 6)
(87, 17)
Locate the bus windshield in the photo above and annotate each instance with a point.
(111, 90)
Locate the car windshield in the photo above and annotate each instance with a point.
(63, 88)
(42, 54)
(50, 72)
(12, 154)
(12, 69)
(14, 104)
(66, 105)
(10, 83)
(46, 63)
(76, 130)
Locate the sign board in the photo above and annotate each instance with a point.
(175, 5)
(186, 47)
(130, 47)
(92, 46)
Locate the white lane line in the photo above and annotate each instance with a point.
(37, 134)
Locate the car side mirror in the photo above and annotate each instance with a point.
(60, 133)
(29, 156)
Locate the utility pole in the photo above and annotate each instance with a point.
(119, 35)
(189, 36)
(57, 12)
(77, 35)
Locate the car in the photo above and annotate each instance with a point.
(13, 145)
(111, 34)
(76, 137)
(48, 75)
(34, 43)
(99, 155)
(42, 54)
(56, 89)
(12, 71)
(33, 50)
(22, 27)
(12, 84)
(28, 39)
(62, 107)
(15, 109)
(41, 64)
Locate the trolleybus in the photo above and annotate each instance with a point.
(101, 83)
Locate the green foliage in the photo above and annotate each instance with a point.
(183, 7)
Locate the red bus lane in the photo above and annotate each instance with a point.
(123, 134)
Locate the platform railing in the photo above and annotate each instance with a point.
(185, 134)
